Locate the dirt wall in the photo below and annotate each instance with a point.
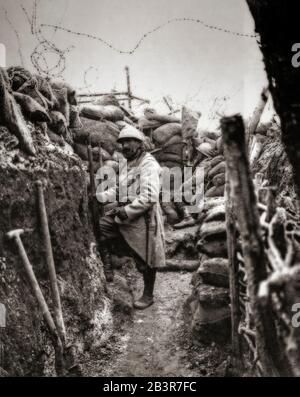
(27, 347)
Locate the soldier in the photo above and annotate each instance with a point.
(137, 217)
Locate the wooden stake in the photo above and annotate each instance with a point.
(129, 93)
(246, 210)
(233, 275)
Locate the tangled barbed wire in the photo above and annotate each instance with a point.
(46, 47)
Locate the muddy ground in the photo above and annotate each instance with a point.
(157, 342)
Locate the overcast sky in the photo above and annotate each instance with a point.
(201, 67)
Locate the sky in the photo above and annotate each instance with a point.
(208, 70)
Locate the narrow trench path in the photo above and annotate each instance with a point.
(158, 342)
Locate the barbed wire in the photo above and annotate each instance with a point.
(46, 47)
(87, 85)
(145, 35)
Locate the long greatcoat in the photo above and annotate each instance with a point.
(138, 190)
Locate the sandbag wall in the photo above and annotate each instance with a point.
(209, 301)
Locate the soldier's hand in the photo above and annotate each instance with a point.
(119, 212)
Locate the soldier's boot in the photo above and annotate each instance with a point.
(146, 299)
(187, 220)
(107, 266)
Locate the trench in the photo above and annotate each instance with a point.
(158, 341)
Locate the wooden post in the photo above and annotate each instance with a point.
(233, 275)
(255, 119)
(168, 104)
(243, 194)
(129, 93)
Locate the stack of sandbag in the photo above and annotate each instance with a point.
(100, 123)
(12, 118)
(215, 176)
(165, 133)
(102, 134)
(167, 140)
(209, 302)
(152, 120)
(52, 103)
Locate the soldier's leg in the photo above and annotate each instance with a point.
(149, 276)
(108, 232)
(187, 220)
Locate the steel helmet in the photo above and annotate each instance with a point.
(130, 132)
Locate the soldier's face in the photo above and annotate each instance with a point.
(130, 148)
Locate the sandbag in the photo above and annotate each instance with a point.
(212, 202)
(211, 324)
(145, 124)
(30, 88)
(211, 296)
(75, 121)
(174, 140)
(101, 127)
(219, 179)
(215, 214)
(62, 105)
(106, 100)
(45, 89)
(101, 132)
(152, 115)
(58, 85)
(58, 123)
(215, 191)
(213, 248)
(162, 134)
(163, 157)
(217, 169)
(189, 122)
(213, 230)
(31, 108)
(170, 164)
(216, 160)
(99, 112)
(175, 149)
(18, 76)
(214, 272)
(103, 135)
(12, 118)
